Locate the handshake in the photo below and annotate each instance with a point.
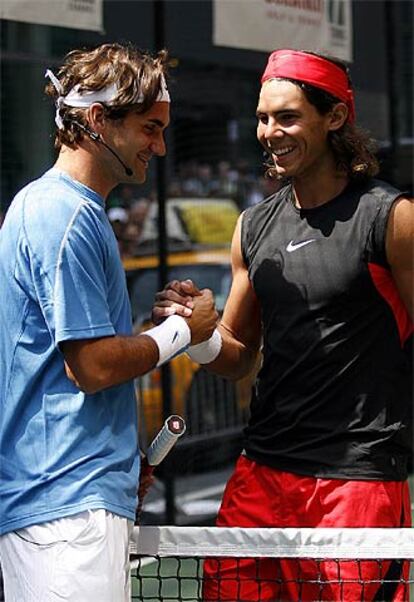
(186, 320)
(186, 300)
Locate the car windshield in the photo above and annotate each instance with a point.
(143, 285)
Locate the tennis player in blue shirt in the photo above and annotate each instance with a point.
(69, 456)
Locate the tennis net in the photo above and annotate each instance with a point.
(189, 564)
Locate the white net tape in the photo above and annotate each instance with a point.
(273, 543)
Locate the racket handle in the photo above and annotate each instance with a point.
(172, 429)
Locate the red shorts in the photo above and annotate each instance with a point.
(259, 496)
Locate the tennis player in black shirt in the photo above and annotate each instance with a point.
(323, 281)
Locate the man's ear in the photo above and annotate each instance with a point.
(337, 116)
(96, 117)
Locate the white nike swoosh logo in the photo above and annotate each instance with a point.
(292, 246)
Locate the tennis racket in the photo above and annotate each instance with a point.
(167, 437)
(161, 445)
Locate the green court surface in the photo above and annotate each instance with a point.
(156, 583)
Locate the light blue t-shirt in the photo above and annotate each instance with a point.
(62, 451)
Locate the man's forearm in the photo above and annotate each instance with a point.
(97, 364)
(235, 360)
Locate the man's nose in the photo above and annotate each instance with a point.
(158, 147)
(273, 131)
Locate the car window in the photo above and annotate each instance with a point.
(143, 285)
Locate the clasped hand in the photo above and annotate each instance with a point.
(184, 299)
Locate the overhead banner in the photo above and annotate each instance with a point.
(317, 25)
(78, 14)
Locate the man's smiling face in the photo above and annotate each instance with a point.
(291, 129)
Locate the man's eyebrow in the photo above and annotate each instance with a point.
(157, 122)
(279, 112)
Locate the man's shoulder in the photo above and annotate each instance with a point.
(379, 190)
(269, 203)
(51, 202)
(50, 189)
(49, 211)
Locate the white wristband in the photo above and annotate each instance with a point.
(207, 351)
(172, 337)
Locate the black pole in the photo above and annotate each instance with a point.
(161, 175)
(392, 88)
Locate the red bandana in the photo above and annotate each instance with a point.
(314, 70)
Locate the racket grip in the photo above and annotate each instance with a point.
(172, 429)
(145, 482)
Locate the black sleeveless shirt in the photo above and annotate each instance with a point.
(333, 398)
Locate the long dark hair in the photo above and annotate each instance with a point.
(353, 148)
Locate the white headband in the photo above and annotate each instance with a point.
(84, 99)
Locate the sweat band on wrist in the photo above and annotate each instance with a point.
(207, 351)
(172, 337)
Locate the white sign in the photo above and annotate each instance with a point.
(79, 14)
(318, 25)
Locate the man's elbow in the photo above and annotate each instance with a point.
(87, 383)
(236, 368)
(90, 388)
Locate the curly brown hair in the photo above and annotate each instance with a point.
(133, 71)
(353, 148)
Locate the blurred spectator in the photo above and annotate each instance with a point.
(118, 216)
(174, 188)
(129, 195)
(124, 196)
(132, 233)
(193, 179)
(187, 175)
(226, 182)
(199, 180)
(137, 214)
(205, 178)
(246, 182)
